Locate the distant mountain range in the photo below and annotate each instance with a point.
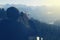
(47, 31)
(57, 23)
(38, 12)
(42, 13)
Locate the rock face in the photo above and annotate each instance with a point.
(24, 19)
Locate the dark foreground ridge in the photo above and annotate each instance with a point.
(15, 25)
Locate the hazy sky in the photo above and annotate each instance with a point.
(32, 2)
(53, 12)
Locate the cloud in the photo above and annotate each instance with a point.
(32, 2)
(26, 2)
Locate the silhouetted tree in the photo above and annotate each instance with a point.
(12, 13)
(3, 13)
(10, 28)
(0, 14)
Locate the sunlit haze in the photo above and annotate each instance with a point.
(32, 2)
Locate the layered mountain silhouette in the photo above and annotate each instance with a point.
(15, 25)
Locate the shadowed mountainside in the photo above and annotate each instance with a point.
(15, 25)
